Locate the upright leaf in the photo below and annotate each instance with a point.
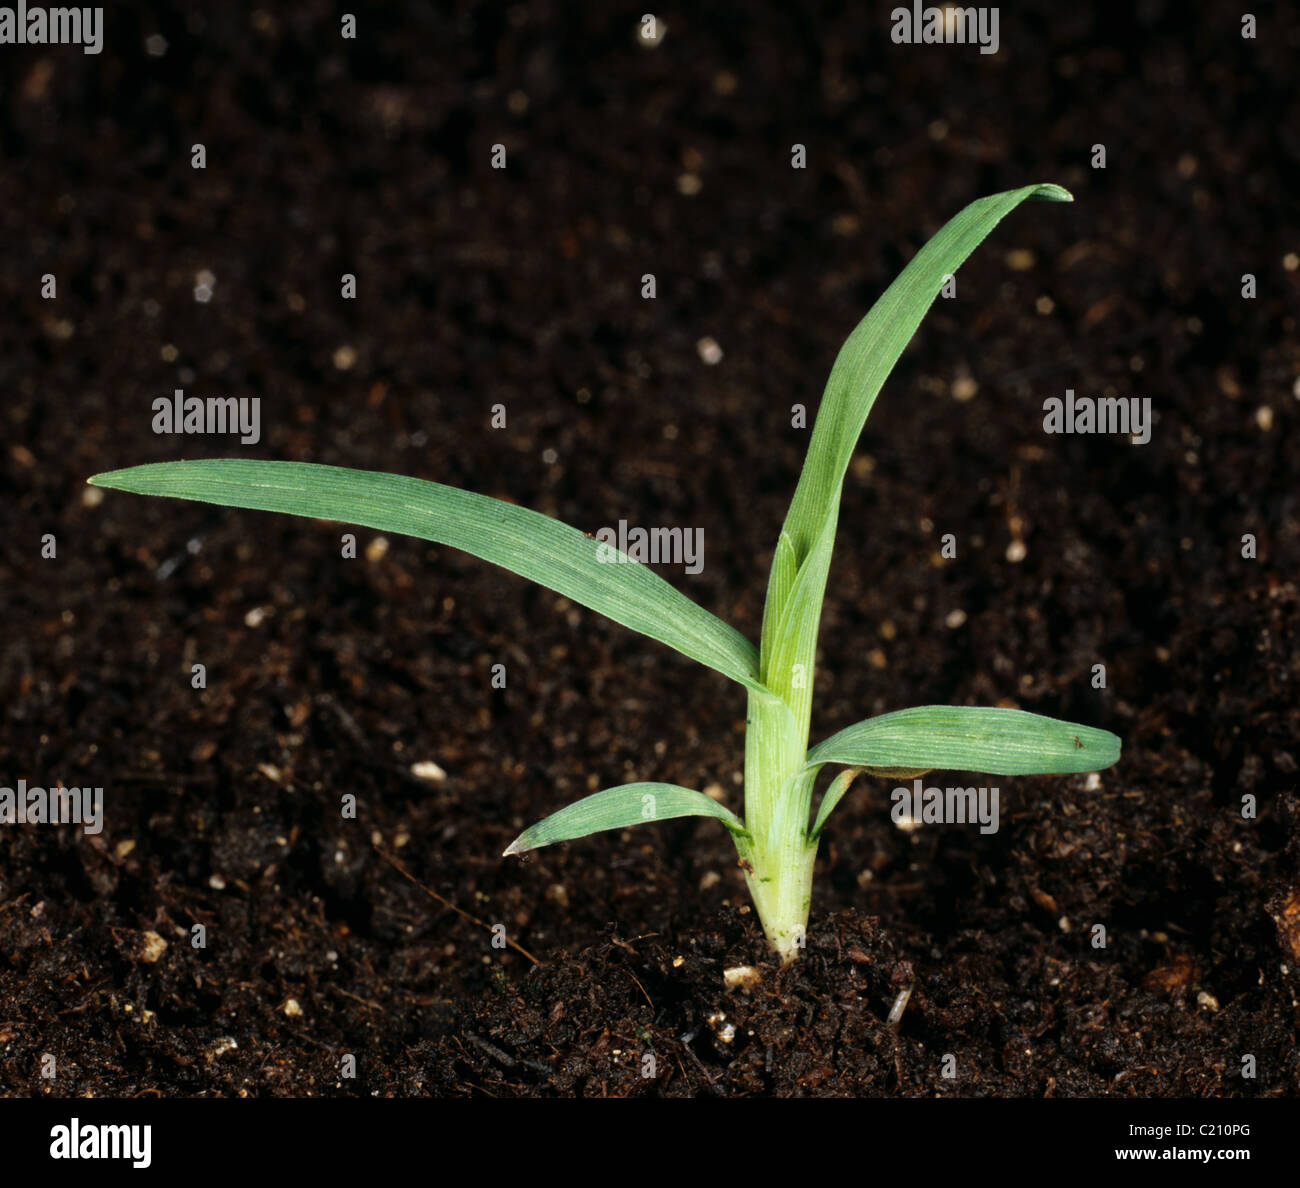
(788, 665)
(784, 571)
(870, 352)
(834, 794)
(861, 368)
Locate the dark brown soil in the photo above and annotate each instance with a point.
(329, 677)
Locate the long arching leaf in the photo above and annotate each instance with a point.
(525, 542)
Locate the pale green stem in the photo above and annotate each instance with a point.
(779, 859)
(780, 856)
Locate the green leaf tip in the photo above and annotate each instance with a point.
(136, 480)
(1051, 192)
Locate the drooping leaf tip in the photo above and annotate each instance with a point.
(1051, 192)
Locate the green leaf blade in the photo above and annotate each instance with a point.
(860, 370)
(525, 542)
(788, 664)
(870, 352)
(962, 738)
(621, 808)
(780, 583)
(834, 794)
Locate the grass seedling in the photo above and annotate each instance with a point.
(776, 839)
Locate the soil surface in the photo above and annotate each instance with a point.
(330, 677)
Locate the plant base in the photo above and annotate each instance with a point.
(781, 886)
